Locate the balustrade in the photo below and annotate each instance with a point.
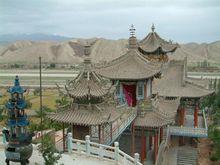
(101, 151)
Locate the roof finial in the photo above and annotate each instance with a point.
(17, 83)
(153, 27)
(87, 49)
(132, 30)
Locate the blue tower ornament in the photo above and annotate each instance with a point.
(19, 147)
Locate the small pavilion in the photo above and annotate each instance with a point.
(92, 110)
(155, 48)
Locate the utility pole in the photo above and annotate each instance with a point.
(41, 110)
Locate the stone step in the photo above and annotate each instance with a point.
(187, 156)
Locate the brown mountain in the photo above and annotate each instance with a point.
(72, 51)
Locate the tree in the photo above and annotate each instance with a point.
(52, 65)
(36, 91)
(214, 135)
(214, 129)
(49, 151)
(63, 103)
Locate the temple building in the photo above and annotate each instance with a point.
(174, 83)
(93, 110)
(190, 121)
(134, 74)
(140, 99)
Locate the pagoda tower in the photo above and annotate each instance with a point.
(155, 48)
(19, 147)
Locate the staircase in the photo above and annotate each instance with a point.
(187, 156)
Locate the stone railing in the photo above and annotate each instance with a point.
(105, 152)
(164, 145)
(188, 131)
(204, 118)
(118, 129)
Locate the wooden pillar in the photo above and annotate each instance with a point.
(145, 146)
(150, 141)
(100, 138)
(142, 145)
(183, 115)
(63, 137)
(146, 143)
(145, 90)
(196, 115)
(155, 146)
(111, 131)
(161, 134)
(179, 115)
(132, 139)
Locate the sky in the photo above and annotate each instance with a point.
(179, 20)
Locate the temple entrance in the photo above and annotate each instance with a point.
(130, 94)
(79, 131)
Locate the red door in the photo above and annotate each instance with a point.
(130, 94)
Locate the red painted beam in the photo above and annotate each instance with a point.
(196, 116)
(132, 139)
(161, 134)
(155, 146)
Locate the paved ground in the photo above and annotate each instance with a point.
(171, 157)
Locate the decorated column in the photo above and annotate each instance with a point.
(155, 145)
(150, 141)
(143, 146)
(196, 115)
(161, 134)
(132, 139)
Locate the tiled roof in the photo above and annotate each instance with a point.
(130, 66)
(153, 42)
(163, 113)
(175, 83)
(152, 119)
(85, 87)
(88, 114)
(87, 84)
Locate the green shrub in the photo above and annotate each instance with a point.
(49, 151)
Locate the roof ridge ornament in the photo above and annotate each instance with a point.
(87, 49)
(132, 38)
(132, 30)
(153, 27)
(17, 83)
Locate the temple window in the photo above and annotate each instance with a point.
(149, 88)
(140, 90)
(118, 90)
(94, 131)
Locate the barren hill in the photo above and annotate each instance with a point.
(72, 51)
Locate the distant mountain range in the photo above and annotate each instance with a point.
(6, 38)
(57, 49)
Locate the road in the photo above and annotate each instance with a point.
(50, 78)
